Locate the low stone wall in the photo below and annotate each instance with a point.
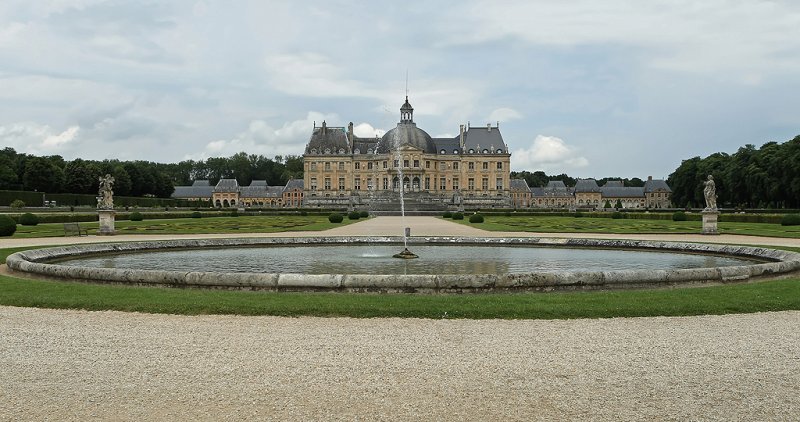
(776, 263)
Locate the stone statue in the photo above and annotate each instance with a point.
(710, 192)
(106, 199)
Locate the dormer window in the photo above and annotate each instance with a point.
(442, 152)
(357, 151)
(499, 151)
(327, 150)
(471, 151)
(485, 151)
(313, 150)
(341, 151)
(455, 151)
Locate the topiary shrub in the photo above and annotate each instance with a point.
(447, 214)
(790, 220)
(476, 218)
(607, 205)
(335, 217)
(28, 219)
(616, 215)
(679, 216)
(7, 225)
(17, 203)
(457, 216)
(136, 216)
(197, 214)
(363, 213)
(354, 215)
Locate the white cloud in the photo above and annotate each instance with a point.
(365, 130)
(548, 153)
(261, 138)
(504, 114)
(36, 138)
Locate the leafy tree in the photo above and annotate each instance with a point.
(122, 182)
(43, 175)
(81, 177)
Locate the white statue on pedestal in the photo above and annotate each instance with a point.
(710, 192)
(106, 199)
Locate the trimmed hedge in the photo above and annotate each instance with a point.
(679, 216)
(28, 219)
(136, 216)
(790, 220)
(7, 225)
(616, 215)
(363, 214)
(196, 214)
(335, 218)
(447, 214)
(476, 218)
(353, 215)
(457, 216)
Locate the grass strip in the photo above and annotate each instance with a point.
(776, 295)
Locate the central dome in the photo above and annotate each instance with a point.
(406, 134)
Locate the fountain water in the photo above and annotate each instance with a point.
(405, 253)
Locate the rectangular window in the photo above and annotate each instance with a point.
(327, 166)
(427, 183)
(471, 165)
(327, 183)
(471, 184)
(455, 165)
(341, 183)
(405, 163)
(499, 165)
(499, 183)
(455, 183)
(442, 166)
(313, 183)
(370, 186)
(486, 165)
(385, 164)
(385, 181)
(485, 183)
(416, 163)
(313, 165)
(369, 165)
(442, 183)
(396, 163)
(357, 165)
(427, 164)
(357, 183)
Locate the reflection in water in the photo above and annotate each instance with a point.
(377, 259)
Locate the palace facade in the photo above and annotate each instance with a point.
(472, 168)
(587, 194)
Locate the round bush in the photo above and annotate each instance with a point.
(17, 203)
(136, 216)
(679, 216)
(335, 217)
(28, 219)
(7, 225)
(447, 214)
(354, 215)
(197, 214)
(476, 218)
(458, 216)
(363, 213)
(616, 215)
(790, 220)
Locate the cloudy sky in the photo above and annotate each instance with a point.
(593, 89)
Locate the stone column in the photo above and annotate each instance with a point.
(106, 222)
(710, 221)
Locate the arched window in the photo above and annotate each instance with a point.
(442, 152)
(357, 151)
(313, 150)
(327, 150)
(455, 151)
(471, 151)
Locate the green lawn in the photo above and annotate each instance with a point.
(549, 224)
(206, 225)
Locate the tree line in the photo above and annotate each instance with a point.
(765, 177)
(540, 179)
(53, 174)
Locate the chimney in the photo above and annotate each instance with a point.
(649, 178)
(488, 127)
(461, 136)
(350, 132)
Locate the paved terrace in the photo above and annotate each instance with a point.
(78, 365)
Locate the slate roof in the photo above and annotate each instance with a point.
(294, 184)
(227, 185)
(449, 145)
(488, 138)
(622, 192)
(554, 188)
(519, 185)
(614, 184)
(332, 139)
(198, 183)
(194, 191)
(652, 185)
(586, 185)
(406, 134)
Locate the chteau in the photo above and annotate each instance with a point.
(471, 169)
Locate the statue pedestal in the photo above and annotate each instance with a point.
(106, 222)
(710, 221)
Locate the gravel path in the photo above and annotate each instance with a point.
(78, 365)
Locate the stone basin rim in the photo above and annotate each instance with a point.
(777, 263)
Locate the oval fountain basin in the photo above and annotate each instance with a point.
(377, 259)
(446, 264)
